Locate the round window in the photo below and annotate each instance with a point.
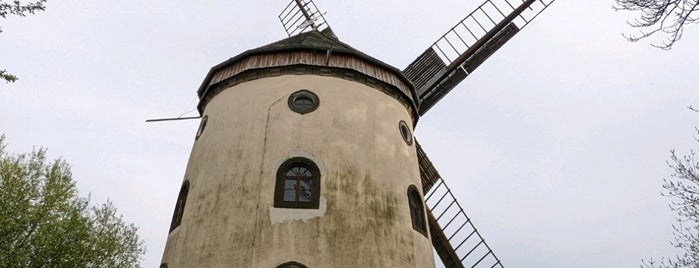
(303, 101)
(202, 125)
(405, 132)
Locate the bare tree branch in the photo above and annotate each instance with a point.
(17, 8)
(683, 187)
(668, 17)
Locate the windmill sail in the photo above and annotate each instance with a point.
(468, 44)
(454, 237)
(301, 16)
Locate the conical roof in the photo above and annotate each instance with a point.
(315, 41)
(307, 40)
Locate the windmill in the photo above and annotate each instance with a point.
(434, 73)
(305, 152)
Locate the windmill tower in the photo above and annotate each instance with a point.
(305, 156)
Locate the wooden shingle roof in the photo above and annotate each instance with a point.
(323, 42)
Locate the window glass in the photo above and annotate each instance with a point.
(303, 101)
(405, 132)
(305, 191)
(289, 195)
(202, 126)
(290, 184)
(417, 210)
(298, 184)
(179, 206)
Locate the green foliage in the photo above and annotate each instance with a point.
(18, 8)
(8, 77)
(44, 223)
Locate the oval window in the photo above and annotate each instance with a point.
(202, 125)
(405, 132)
(303, 101)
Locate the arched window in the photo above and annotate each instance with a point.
(291, 264)
(179, 206)
(417, 210)
(298, 184)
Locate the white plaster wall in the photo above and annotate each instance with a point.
(366, 168)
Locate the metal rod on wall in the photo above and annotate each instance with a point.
(172, 119)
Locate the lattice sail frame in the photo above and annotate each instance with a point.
(454, 236)
(463, 48)
(483, 19)
(300, 16)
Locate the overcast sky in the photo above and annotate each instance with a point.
(555, 147)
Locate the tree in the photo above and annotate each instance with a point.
(44, 223)
(17, 8)
(660, 16)
(683, 188)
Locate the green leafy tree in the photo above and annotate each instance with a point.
(22, 9)
(668, 17)
(44, 223)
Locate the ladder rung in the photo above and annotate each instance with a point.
(462, 242)
(474, 248)
(450, 221)
(481, 259)
(445, 210)
(440, 200)
(457, 230)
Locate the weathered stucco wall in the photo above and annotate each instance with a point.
(366, 168)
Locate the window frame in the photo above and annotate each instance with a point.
(281, 177)
(417, 210)
(405, 132)
(307, 94)
(291, 264)
(179, 206)
(202, 126)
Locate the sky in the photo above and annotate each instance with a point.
(556, 147)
